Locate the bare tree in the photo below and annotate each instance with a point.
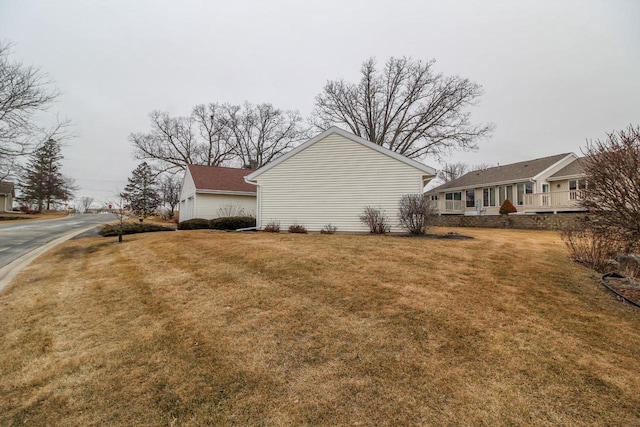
(85, 203)
(612, 196)
(263, 133)
(170, 145)
(24, 91)
(203, 138)
(479, 167)
(405, 107)
(211, 121)
(170, 187)
(451, 171)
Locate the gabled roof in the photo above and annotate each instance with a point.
(503, 173)
(7, 187)
(222, 179)
(335, 130)
(571, 170)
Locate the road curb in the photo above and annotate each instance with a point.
(11, 270)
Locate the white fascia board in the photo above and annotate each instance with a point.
(569, 156)
(229, 193)
(560, 178)
(187, 175)
(424, 168)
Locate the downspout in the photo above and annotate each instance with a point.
(6, 199)
(258, 206)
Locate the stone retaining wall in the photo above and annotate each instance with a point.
(532, 222)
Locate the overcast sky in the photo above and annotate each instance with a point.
(554, 72)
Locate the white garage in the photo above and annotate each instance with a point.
(212, 191)
(331, 178)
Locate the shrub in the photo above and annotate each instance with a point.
(231, 210)
(376, 220)
(297, 228)
(507, 208)
(328, 229)
(132, 228)
(629, 265)
(590, 246)
(272, 227)
(232, 223)
(194, 224)
(416, 213)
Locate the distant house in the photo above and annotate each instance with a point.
(212, 191)
(7, 194)
(331, 178)
(547, 185)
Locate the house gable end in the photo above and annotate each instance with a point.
(427, 170)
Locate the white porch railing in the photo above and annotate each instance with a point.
(450, 206)
(554, 199)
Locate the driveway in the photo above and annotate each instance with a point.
(17, 240)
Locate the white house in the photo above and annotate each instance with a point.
(546, 185)
(331, 178)
(211, 191)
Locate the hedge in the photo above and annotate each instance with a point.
(194, 224)
(131, 228)
(232, 222)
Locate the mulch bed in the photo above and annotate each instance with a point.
(625, 286)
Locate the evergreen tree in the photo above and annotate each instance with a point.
(141, 194)
(42, 181)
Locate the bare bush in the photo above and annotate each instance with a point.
(329, 229)
(272, 227)
(629, 265)
(231, 209)
(376, 220)
(416, 213)
(590, 246)
(297, 228)
(613, 185)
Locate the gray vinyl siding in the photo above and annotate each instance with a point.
(332, 181)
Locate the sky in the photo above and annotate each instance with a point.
(555, 73)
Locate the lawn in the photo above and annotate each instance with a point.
(15, 217)
(202, 328)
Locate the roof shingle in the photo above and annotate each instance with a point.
(218, 178)
(573, 168)
(512, 172)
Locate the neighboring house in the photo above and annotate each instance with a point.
(7, 194)
(213, 191)
(331, 178)
(547, 185)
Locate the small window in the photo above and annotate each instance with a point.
(528, 187)
(577, 184)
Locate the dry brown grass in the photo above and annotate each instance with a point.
(199, 328)
(17, 217)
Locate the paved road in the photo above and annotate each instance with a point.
(19, 239)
